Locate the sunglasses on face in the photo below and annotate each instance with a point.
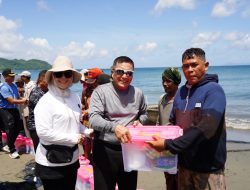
(122, 72)
(67, 74)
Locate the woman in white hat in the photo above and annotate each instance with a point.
(57, 118)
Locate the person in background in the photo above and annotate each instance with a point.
(171, 78)
(113, 106)
(103, 79)
(58, 126)
(28, 86)
(9, 99)
(91, 83)
(35, 95)
(20, 86)
(199, 109)
(84, 77)
(28, 83)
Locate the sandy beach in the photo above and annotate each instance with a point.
(12, 172)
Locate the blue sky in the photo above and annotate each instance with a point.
(154, 33)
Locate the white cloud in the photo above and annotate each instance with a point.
(6, 24)
(242, 41)
(225, 8)
(203, 40)
(9, 41)
(14, 44)
(165, 4)
(39, 42)
(42, 5)
(83, 51)
(232, 36)
(146, 48)
(104, 52)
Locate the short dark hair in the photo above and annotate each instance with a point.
(122, 59)
(189, 54)
(41, 73)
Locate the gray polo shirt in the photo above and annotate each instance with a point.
(110, 107)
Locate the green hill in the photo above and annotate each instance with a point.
(21, 64)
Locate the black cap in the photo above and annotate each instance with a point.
(8, 72)
(103, 78)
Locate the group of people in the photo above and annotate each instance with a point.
(17, 101)
(62, 120)
(10, 99)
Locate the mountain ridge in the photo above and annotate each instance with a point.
(22, 64)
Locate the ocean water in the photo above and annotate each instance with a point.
(235, 81)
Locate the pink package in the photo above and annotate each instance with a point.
(4, 138)
(145, 133)
(83, 160)
(140, 156)
(84, 174)
(20, 144)
(91, 181)
(29, 146)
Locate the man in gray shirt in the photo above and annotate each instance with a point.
(113, 106)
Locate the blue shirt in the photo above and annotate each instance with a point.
(8, 91)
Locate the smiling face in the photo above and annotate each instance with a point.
(122, 76)
(61, 81)
(194, 69)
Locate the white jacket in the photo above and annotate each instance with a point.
(57, 119)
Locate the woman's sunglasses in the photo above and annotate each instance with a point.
(122, 72)
(67, 74)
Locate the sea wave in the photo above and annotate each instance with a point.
(236, 123)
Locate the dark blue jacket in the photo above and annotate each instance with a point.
(200, 111)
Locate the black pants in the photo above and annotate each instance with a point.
(12, 124)
(34, 138)
(61, 177)
(171, 181)
(108, 168)
(66, 183)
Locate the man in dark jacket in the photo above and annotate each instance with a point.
(199, 109)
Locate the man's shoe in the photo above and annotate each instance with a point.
(14, 155)
(6, 148)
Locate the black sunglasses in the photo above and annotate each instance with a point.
(67, 74)
(122, 72)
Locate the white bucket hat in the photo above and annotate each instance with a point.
(63, 63)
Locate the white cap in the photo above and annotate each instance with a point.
(25, 73)
(83, 71)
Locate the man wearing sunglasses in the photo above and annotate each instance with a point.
(113, 106)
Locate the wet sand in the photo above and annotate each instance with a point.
(237, 171)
